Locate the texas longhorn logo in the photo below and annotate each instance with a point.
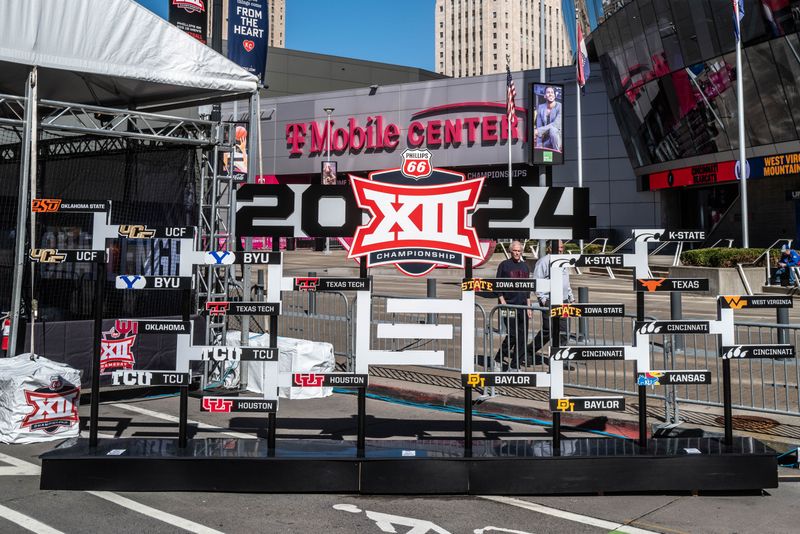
(418, 217)
(651, 285)
(116, 347)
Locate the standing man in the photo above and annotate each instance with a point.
(542, 270)
(513, 345)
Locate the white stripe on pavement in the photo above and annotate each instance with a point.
(143, 509)
(26, 522)
(173, 419)
(569, 516)
(17, 467)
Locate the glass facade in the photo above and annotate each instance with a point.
(670, 72)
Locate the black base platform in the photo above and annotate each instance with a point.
(500, 467)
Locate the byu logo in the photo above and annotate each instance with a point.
(219, 257)
(130, 282)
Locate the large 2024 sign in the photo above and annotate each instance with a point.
(394, 216)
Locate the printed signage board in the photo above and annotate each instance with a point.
(547, 123)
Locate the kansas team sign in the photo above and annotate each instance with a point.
(418, 216)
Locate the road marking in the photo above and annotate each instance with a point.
(484, 530)
(18, 467)
(143, 509)
(173, 419)
(386, 522)
(569, 516)
(26, 522)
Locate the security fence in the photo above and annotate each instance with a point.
(769, 386)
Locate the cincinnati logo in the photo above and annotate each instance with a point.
(476, 284)
(190, 6)
(45, 205)
(46, 255)
(217, 405)
(51, 411)
(216, 309)
(135, 231)
(116, 347)
(308, 380)
(416, 223)
(735, 302)
(649, 328)
(306, 284)
(564, 354)
(475, 380)
(565, 311)
(651, 285)
(564, 405)
(735, 352)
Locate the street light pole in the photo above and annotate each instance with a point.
(328, 111)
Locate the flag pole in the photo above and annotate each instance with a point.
(740, 106)
(508, 118)
(578, 112)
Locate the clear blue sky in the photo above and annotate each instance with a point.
(389, 31)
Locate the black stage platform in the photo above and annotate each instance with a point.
(502, 467)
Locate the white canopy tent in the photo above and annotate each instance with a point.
(111, 53)
(88, 64)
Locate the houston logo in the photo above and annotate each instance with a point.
(416, 223)
(735, 302)
(217, 405)
(308, 380)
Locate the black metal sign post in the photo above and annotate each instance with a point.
(272, 417)
(468, 386)
(183, 416)
(361, 436)
(642, 389)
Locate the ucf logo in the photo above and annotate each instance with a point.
(45, 205)
(46, 255)
(565, 311)
(135, 231)
(735, 303)
(417, 222)
(476, 284)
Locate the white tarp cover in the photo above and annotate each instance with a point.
(39, 400)
(109, 53)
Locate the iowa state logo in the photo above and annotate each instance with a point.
(116, 347)
(418, 217)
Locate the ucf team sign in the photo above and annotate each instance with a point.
(416, 216)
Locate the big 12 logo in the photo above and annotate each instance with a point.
(53, 408)
(418, 217)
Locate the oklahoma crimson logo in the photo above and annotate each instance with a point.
(416, 227)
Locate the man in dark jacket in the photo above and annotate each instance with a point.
(513, 345)
(789, 258)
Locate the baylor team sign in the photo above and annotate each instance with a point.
(418, 217)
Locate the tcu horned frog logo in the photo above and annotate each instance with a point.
(116, 347)
(53, 407)
(418, 216)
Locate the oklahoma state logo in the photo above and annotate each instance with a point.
(45, 205)
(46, 255)
(735, 302)
(413, 225)
(135, 231)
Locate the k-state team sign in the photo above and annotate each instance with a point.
(415, 217)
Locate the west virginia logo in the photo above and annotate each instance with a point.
(735, 302)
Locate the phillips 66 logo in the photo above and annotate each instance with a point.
(418, 216)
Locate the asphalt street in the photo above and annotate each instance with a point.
(23, 507)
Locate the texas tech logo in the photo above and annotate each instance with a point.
(116, 347)
(190, 6)
(417, 222)
(416, 163)
(306, 283)
(52, 408)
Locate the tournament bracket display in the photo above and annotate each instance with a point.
(414, 218)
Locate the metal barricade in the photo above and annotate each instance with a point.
(324, 316)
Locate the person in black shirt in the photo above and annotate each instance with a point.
(513, 346)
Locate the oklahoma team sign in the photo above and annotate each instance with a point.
(418, 217)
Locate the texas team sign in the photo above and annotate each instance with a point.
(418, 220)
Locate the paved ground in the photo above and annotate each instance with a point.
(23, 507)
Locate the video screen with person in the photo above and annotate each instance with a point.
(548, 123)
(328, 173)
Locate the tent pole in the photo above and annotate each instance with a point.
(23, 208)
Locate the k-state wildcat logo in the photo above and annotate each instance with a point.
(418, 217)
